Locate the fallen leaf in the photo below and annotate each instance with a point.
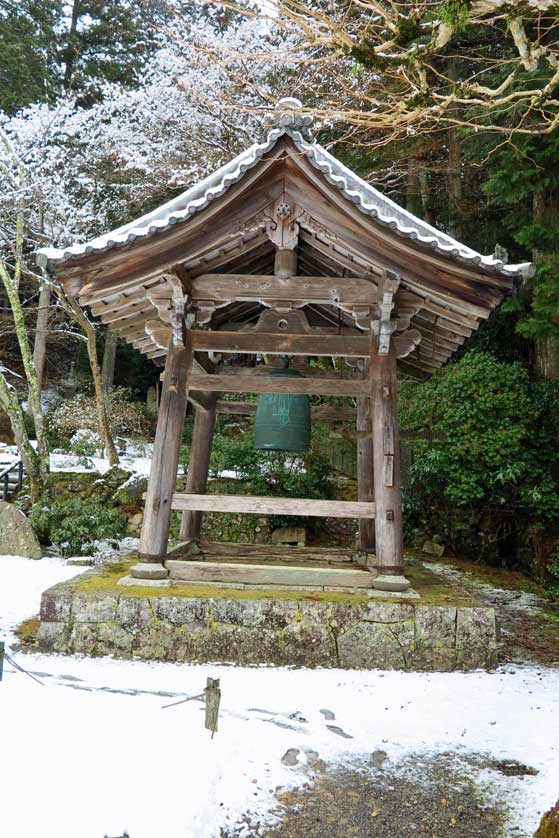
(453, 821)
(374, 811)
(443, 802)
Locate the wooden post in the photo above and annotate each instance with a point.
(163, 473)
(197, 479)
(365, 471)
(386, 453)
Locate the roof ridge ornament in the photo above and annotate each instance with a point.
(288, 114)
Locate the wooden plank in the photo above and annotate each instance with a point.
(253, 505)
(241, 383)
(293, 289)
(266, 574)
(279, 344)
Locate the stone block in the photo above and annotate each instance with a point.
(290, 535)
(435, 625)
(56, 606)
(433, 548)
(376, 646)
(389, 612)
(475, 627)
(114, 640)
(181, 610)
(16, 533)
(53, 637)
(134, 612)
(269, 613)
(94, 608)
(83, 639)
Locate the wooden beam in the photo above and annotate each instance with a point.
(365, 470)
(197, 477)
(163, 472)
(270, 384)
(297, 290)
(279, 344)
(319, 413)
(389, 545)
(272, 506)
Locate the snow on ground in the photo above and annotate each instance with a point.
(93, 752)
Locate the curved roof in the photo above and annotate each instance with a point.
(365, 197)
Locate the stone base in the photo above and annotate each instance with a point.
(149, 570)
(386, 582)
(215, 624)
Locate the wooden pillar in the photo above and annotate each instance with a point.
(163, 473)
(365, 473)
(386, 454)
(198, 466)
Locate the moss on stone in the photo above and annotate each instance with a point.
(26, 632)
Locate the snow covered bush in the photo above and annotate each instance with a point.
(79, 416)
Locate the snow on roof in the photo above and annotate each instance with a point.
(289, 120)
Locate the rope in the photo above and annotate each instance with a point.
(21, 669)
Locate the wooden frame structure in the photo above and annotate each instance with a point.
(283, 251)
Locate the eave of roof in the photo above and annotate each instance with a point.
(367, 199)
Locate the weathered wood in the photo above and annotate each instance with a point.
(292, 289)
(278, 344)
(200, 399)
(389, 547)
(242, 383)
(272, 506)
(168, 435)
(267, 574)
(319, 413)
(197, 477)
(365, 470)
(273, 552)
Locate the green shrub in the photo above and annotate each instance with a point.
(494, 475)
(73, 524)
(269, 472)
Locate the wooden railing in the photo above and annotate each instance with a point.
(6, 483)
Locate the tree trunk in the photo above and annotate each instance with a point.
(413, 188)
(454, 169)
(73, 307)
(71, 52)
(9, 402)
(109, 358)
(545, 213)
(41, 332)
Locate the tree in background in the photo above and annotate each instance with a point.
(35, 461)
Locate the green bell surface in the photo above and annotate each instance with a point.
(283, 422)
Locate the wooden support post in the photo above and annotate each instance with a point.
(163, 473)
(386, 454)
(197, 478)
(365, 473)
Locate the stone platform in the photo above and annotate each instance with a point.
(94, 615)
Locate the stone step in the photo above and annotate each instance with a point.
(246, 573)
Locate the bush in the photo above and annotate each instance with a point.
(493, 476)
(127, 418)
(73, 524)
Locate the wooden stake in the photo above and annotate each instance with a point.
(197, 479)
